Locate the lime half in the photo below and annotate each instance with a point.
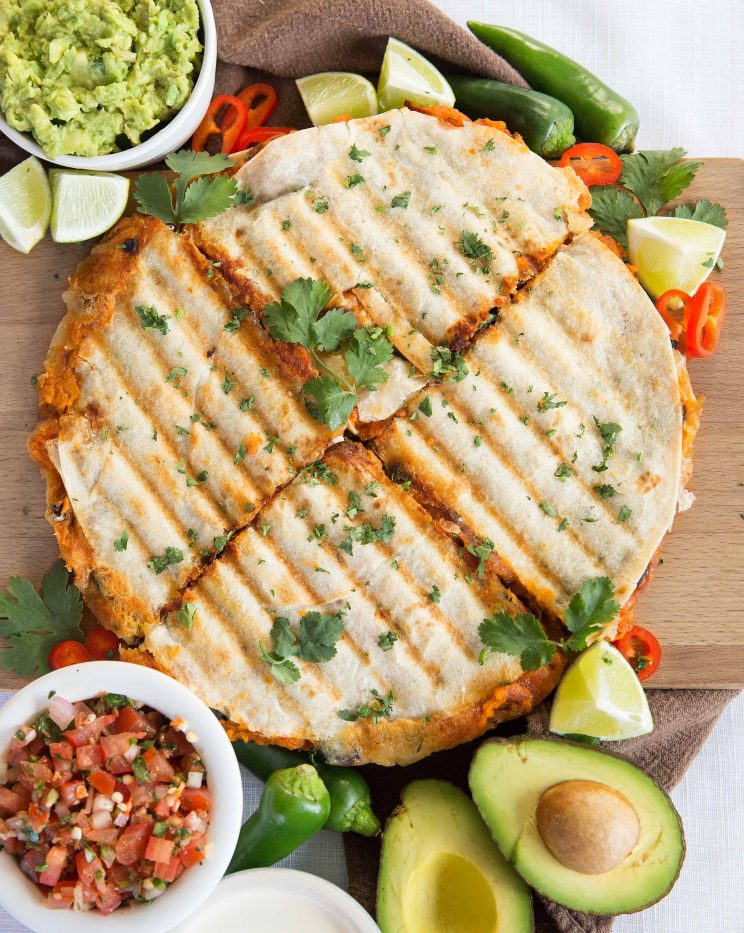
(25, 205)
(407, 75)
(86, 204)
(332, 94)
(671, 252)
(601, 696)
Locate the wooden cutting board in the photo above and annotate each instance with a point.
(695, 603)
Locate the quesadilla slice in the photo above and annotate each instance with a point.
(562, 447)
(171, 418)
(346, 619)
(425, 226)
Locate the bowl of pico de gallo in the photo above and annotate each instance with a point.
(120, 801)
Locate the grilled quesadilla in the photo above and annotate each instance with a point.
(172, 417)
(427, 225)
(343, 546)
(563, 445)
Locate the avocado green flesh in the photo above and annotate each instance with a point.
(507, 778)
(83, 75)
(440, 871)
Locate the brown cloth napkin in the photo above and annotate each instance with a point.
(683, 720)
(278, 40)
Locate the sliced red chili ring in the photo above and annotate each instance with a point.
(260, 102)
(223, 122)
(641, 649)
(66, 653)
(260, 134)
(594, 163)
(669, 305)
(706, 317)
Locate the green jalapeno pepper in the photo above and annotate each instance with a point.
(600, 114)
(544, 123)
(294, 806)
(351, 809)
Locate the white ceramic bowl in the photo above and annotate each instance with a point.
(22, 898)
(172, 136)
(279, 900)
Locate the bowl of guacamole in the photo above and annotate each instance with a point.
(104, 81)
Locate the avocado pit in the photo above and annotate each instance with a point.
(587, 826)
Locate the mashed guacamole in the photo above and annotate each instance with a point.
(88, 77)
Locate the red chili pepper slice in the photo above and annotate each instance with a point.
(65, 653)
(594, 163)
(259, 134)
(641, 650)
(224, 120)
(706, 317)
(102, 644)
(260, 102)
(669, 305)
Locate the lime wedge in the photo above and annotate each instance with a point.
(25, 205)
(601, 696)
(671, 252)
(407, 75)
(86, 204)
(332, 94)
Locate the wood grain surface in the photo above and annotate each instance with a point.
(695, 603)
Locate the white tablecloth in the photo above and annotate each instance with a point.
(679, 61)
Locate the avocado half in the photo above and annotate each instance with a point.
(509, 776)
(440, 871)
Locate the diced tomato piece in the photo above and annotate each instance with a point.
(103, 782)
(86, 870)
(102, 644)
(89, 732)
(120, 743)
(192, 854)
(31, 772)
(159, 849)
(37, 818)
(107, 898)
(119, 765)
(196, 798)
(89, 757)
(23, 792)
(10, 802)
(18, 750)
(56, 859)
(61, 753)
(158, 766)
(132, 843)
(131, 720)
(72, 792)
(191, 762)
(14, 846)
(62, 896)
(122, 876)
(178, 740)
(169, 871)
(30, 861)
(103, 837)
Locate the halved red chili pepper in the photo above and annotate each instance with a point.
(706, 317)
(260, 102)
(641, 650)
(594, 163)
(669, 305)
(224, 121)
(259, 134)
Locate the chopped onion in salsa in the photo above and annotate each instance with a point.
(104, 802)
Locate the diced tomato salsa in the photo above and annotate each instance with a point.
(111, 807)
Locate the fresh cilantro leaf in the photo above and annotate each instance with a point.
(171, 555)
(401, 200)
(120, 544)
(473, 248)
(705, 211)
(328, 401)
(590, 610)
(32, 623)
(292, 319)
(355, 505)
(150, 318)
(318, 636)
(285, 673)
(206, 197)
(238, 316)
(605, 490)
(368, 350)
(609, 431)
(425, 407)
(520, 635)
(624, 514)
(244, 197)
(378, 708)
(367, 533)
(185, 615)
(320, 205)
(447, 364)
(548, 401)
(334, 328)
(387, 640)
(611, 209)
(189, 164)
(358, 154)
(353, 180)
(657, 176)
(285, 640)
(482, 551)
(153, 196)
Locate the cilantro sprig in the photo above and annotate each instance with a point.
(316, 641)
(380, 707)
(522, 636)
(199, 192)
(298, 318)
(32, 623)
(650, 179)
